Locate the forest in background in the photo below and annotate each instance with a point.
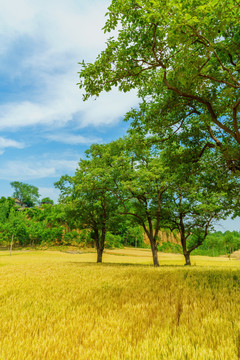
(47, 225)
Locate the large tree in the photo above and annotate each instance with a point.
(184, 59)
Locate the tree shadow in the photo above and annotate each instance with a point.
(116, 264)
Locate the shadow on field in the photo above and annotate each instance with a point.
(108, 264)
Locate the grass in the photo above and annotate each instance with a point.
(56, 305)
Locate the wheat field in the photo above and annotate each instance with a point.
(59, 305)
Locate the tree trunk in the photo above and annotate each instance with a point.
(99, 255)
(11, 246)
(98, 246)
(184, 242)
(187, 259)
(154, 252)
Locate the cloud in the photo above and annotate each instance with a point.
(6, 143)
(36, 169)
(62, 103)
(108, 108)
(50, 192)
(64, 26)
(40, 51)
(73, 139)
(57, 40)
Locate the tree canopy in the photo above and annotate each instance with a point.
(184, 59)
(132, 177)
(88, 199)
(25, 193)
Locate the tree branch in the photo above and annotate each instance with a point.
(202, 101)
(235, 124)
(215, 54)
(220, 81)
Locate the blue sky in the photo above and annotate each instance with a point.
(45, 127)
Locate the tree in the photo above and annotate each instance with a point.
(184, 59)
(192, 211)
(6, 204)
(25, 193)
(156, 188)
(196, 196)
(88, 201)
(133, 174)
(47, 200)
(16, 227)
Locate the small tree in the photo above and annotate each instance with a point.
(88, 201)
(6, 204)
(25, 193)
(47, 200)
(195, 199)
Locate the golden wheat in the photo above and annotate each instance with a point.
(64, 306)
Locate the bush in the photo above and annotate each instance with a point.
(134, 237)
(113, 241)
(169, 247)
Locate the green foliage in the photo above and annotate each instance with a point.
(47, 200)
(169, 247)
(183, 58)
(218, 243)
(6, 204)
(33, 226)
(25, 193)
(134, 237)
(185, 68)
(88, 202)
(84, 238)
(54, 225)
(113, 241)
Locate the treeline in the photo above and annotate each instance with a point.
(155, 187)
(48, 225)
(219, 243)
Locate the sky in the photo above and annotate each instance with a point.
(45, 127)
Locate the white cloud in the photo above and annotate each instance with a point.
(36, 169)
(50, 192)
(62, 102)
(107, 109)
(61, 37)
(56, 35)
(61, 25)
(6, 143)
(73, 139)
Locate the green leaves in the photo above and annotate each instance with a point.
(27, 194)
(184, 57)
